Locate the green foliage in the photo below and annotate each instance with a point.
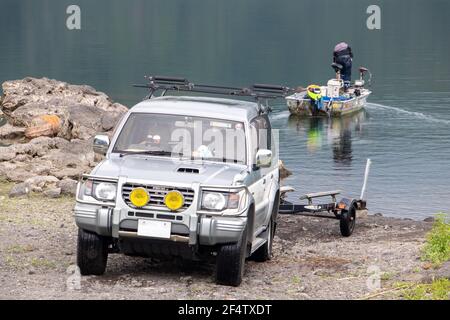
(296, 279)
(437, 246)
(437, 290)
(387, 276)
(42, 263)
(18, 248)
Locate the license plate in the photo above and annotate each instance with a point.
(154, 229)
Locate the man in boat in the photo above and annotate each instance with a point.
(343, 55)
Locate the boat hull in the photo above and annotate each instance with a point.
(300, 106)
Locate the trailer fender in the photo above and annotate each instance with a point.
(346, 204)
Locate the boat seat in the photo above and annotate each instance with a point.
(337, 67)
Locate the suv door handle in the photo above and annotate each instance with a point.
(264, 181)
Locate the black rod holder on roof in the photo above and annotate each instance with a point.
(168, 79)
(257, 91)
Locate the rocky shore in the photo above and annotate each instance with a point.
(45, 144)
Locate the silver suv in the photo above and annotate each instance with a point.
(193, 177)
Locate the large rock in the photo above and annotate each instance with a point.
(41, 183)
(16, 172)
(52, 193)
(35, 148)
(83, 111)
(50, 92)
(85, 121)
(47, 141)
(67, 186)
(18, 190)
(10, 132)
(44, 125)
(47, 156)
(6, 154)
(72, 155)
(284, 172)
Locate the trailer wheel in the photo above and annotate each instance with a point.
(348, 220)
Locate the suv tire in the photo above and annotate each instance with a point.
(231, 261)
(92, 253)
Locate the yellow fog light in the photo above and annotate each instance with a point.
(139, 197)
(174, 200)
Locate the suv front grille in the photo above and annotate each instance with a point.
(157, 194)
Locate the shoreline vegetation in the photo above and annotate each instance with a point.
(45, 146)
(437, 246)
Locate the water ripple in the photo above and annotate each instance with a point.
(415, 114)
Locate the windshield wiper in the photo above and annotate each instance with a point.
(226, 160)
(151, 152)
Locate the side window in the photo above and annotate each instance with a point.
(263, 132)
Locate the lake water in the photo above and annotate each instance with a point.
(405, 129)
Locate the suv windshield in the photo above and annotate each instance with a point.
(183, 136)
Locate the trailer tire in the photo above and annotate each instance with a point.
(348, 220)
(231, 261)
(92, 253)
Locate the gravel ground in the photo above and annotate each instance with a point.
(311, 260)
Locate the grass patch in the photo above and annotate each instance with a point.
(17, 263)
(18, 249)
(5, 186)
(42, 263)
(296, 280)
(437, 246)
(11, 262)
(387, 276)
(437, 290)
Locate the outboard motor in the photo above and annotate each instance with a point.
(359, 84)
(362, 72)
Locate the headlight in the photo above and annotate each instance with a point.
(100, 190)
(218, 201)
(214, 201)
(105, 191)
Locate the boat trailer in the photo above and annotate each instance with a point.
(343, 210)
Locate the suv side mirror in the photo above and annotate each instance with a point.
(264, 158)
(101, 144)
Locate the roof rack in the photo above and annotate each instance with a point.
(260, 92)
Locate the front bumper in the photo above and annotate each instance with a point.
(191, 226)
